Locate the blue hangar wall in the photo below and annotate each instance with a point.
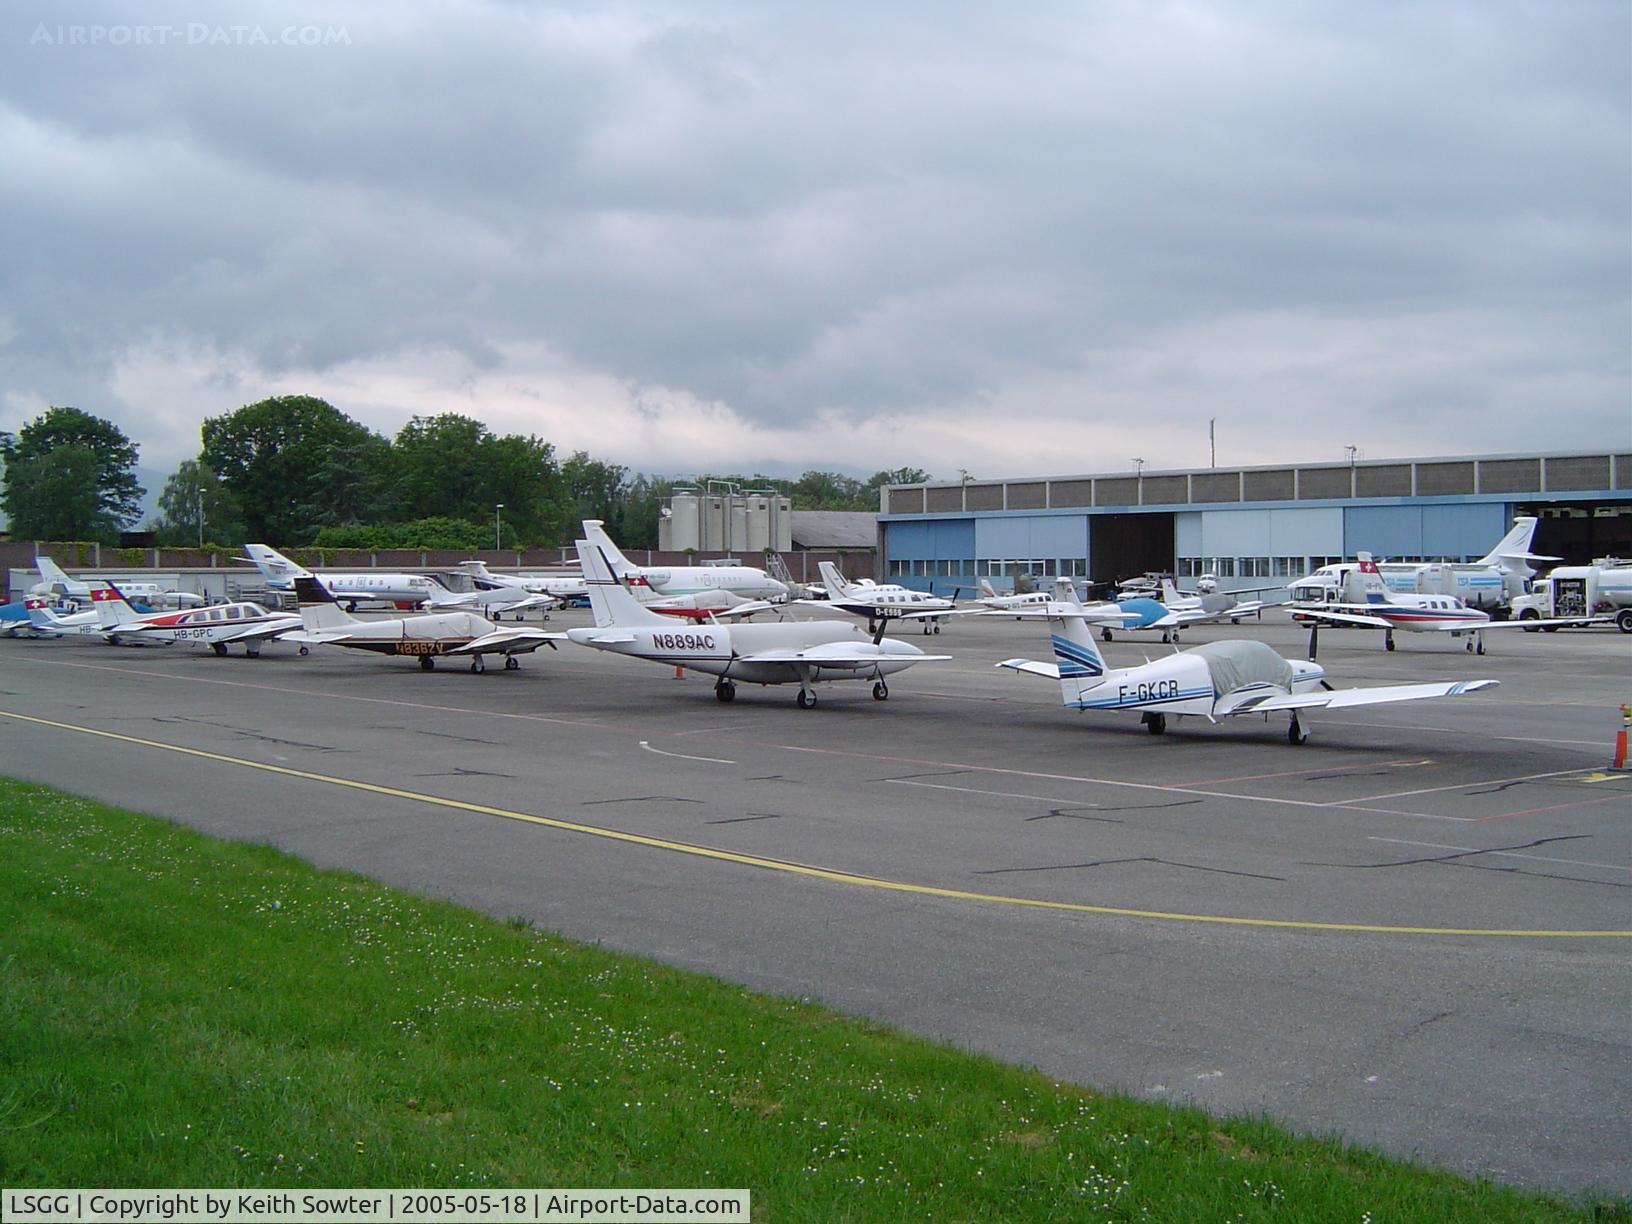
(948, 551)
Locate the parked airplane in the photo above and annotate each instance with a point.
(54, 582)
(1371, 605)
(423, 637)
(92, 622)
(217, 627)
(993, 602)
(1491, 582)
(881, 602)
(1211, 681)
(788, 652)
(351, 589)
(557, 589)
(689, 590)
(1209, 604)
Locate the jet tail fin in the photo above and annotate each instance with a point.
(274, 566)
(1367, 580)
(619, 565)
(613, 607)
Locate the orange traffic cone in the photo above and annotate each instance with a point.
(1620, 740)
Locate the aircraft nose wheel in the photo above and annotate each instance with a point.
(426, 663)
(881, 691)
(725, 690)
(805, 700)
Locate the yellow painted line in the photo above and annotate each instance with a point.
(1605, 777)
(800, 869)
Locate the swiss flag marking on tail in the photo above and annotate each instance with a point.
(103, 594)
(1368, 566)
(33, 604)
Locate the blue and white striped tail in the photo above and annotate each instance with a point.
(1076, 661)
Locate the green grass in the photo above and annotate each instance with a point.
(177, 1011)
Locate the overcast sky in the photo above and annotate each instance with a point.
(1015, 239)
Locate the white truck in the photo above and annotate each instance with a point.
(1601, 589)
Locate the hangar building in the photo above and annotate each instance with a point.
(1251, 525)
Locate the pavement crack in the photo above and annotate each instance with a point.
(642, 799)
(1119, 862)
(1075, 814)
(1454, 855)
(750, 816)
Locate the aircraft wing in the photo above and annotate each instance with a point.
(884, 613)
(508, 641)
(835, 654)
(1031, 667)
(1105, 614)
(743, 609)
(260, 633)
(1346, 618)
(1557, 622)
(1336, 699)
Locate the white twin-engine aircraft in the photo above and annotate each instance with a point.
(1211, 681)
(423, 637)
(788, 652)
(882, 602)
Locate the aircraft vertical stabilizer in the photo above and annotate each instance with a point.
(318, 608)
(613, 607)
(1081, 665)
(619, 565)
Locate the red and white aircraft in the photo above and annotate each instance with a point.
(1374, 606)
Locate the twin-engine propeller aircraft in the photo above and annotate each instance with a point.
(219, 626)
(1373, 606)
(1212, 681)
(423, 637)
(881, 602)
(788, 652)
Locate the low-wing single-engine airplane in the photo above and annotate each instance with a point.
(787, 652)
(1211, 681)
(424, 637)
(1373, 606)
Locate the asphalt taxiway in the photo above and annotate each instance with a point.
(1412, 932)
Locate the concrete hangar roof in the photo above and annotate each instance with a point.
(1566, 476)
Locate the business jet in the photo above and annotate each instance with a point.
(424, 637)
(788, 652)
(689, 590)
(54, 582)
(1372, 606)
(1211, 681)
(351, 589)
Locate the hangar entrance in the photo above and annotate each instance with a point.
(1125, 545)
(1580, 531)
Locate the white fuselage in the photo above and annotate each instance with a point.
(1177, 684)
(668, 582)
(717, 649)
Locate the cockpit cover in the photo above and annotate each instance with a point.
(1237, 664)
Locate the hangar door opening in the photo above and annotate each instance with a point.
(1124, 545)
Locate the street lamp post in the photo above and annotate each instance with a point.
(499, 506)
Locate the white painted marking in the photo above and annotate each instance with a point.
(1540, 858)
(1431, 790)
(682, 756)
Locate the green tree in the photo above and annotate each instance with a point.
(196, 508)
(70, 476)
(594, 489)
(289, 461)
(453, 467)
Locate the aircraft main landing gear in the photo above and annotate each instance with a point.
(805, 700)
(478, 665)
(220, 648)
(881, 691)
(1296, 732)
(725, 690)
(1154, 723)
(426, 663)
(511, 663)
(305, 650)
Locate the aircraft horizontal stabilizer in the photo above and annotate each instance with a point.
(835, 654)
(510, 641)
(1049, 671)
